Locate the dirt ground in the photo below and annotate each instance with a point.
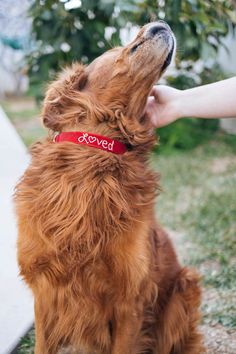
(218, 338)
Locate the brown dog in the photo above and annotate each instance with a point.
(104, 275)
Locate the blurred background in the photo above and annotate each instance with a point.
(196, 158)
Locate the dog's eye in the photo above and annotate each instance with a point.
(134, 48)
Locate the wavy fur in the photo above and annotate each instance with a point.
(104, 275)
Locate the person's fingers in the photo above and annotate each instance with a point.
(154, 92)
(148, 107)
(151, 103)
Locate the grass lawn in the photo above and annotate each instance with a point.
(24, 114)
(198, 205)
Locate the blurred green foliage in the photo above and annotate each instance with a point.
(63, 36)
(199, 25)
(64, 33)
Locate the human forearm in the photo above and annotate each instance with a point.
(215, 100)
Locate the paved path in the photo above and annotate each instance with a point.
(16, 305)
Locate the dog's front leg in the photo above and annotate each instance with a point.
(126, 329)
(40, 342)
(45, 342)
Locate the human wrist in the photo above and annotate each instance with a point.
(178, 106)
(181, 104)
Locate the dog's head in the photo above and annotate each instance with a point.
(112, 91)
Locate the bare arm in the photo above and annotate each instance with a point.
(217, 100)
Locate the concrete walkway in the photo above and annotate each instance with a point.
(16, 303)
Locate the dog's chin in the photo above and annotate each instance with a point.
(168, 60)
(169, 57)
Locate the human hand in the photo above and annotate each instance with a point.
(163, 105)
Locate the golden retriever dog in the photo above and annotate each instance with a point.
(104, 275)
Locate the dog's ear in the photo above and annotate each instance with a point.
(60, 96)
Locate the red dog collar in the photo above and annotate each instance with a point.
(93, 140)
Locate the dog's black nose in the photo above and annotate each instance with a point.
(160, 26)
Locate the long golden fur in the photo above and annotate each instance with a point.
(104, 275)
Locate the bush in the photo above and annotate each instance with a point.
(63, 34)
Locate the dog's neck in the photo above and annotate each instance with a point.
(97, 196)
(136, 134)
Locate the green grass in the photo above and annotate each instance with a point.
(24, 114)
(198, 201)
(27, 344)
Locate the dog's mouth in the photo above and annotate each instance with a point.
(169, 57)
